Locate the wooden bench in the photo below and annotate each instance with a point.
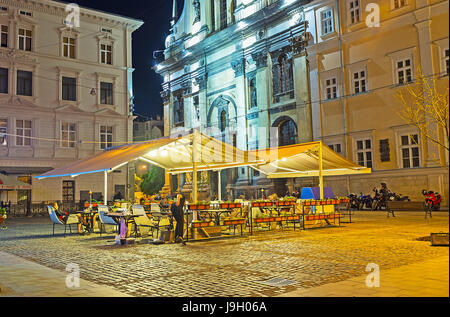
(392, 206)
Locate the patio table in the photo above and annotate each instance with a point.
(117, 216)
(88, 216)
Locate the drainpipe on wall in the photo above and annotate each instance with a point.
(342, 93)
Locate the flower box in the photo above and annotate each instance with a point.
(284, 218)
(278, 218)
(234, 222)
(199, 207)
(201, 224)
(224, 205)
(307, 203)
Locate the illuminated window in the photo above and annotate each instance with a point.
(24, 132)
(355, 12)
(399, 3)
(68, 47)
(106, 137)
(106, 54)
(68, 135)
(364, 152)
(410, 152)
(25, 39)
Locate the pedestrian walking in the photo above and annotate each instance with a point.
(177, 209)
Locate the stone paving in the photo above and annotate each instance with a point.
(233, 267)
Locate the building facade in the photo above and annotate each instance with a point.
(262, 73)
(66, 91)
(145, 129)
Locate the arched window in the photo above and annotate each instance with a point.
(178, 110)
(287, 132)
(223, 120)
(253, 93)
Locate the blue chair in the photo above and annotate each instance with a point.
(72, 219)
(105, 220)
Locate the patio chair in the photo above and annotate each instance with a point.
(143, 221)
(105, 220)
(71, 220)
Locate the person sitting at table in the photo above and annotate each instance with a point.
(178, 214)
(60, 214)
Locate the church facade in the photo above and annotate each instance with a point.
(263, 73)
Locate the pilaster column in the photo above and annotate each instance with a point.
(429, 149)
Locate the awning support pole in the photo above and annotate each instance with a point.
(106, 188)
(321, 170)
(219, 185)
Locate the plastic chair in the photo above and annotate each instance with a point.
(143, 221)
(72, 219)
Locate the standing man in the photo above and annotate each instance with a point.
(177, 209)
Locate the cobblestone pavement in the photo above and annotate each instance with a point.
(233, 267)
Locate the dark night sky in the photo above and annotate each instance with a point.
(156, 15)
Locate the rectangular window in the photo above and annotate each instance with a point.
(68, 135)
(24, 132)
(385, 151)
(364, 152)
(336, 147)
(399, 3)
(68, 47)
(446, 61)
(106, 137)
(106, 93)
(327, 22)
(213, 16)
(4, 80)
(106, 54)
(25, 39)
(359, 82)
(3, 131)
(4, 35)
(69, 89)
(68, 191)
(178, 109)
(27, 13)
(24, 83)
(404, 71)
(355, 12)
(331, 88)
(409, 148)
(223, 14)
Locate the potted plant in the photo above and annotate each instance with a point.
(3, 216)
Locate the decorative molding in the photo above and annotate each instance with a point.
(260, 59)
(165, 95)
(238, 66)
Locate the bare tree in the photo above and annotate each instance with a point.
(426, 108)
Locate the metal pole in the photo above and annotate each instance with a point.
(219, 184)
(194, 170)
(106, 189)
(321, 171)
